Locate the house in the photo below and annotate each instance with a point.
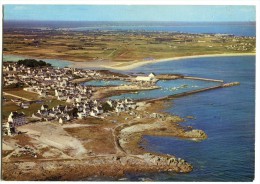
(43, 112)
(17, 119)
(62, 98)
(11, 81)
(52, 113)
(86, 110)
(62, 120)
(81, 115)
(9, 128)
(37, 116)
(58, 92)
(44, 107)
(150, 77)
(93, 113)
(98, 110)
(25, 105)
(68, 117)
(42, 93)
(60, 108)
(78, 99)
(63, 83)
(120, 107)
(70, 99)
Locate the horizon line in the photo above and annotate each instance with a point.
(120, 20)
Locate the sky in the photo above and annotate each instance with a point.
(191, 13)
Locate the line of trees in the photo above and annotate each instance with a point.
(33, 63)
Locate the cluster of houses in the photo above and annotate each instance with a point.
(240, 46)
(21, 103)
(81, 110)
(44, 81)
(66, 113)
(57, 83)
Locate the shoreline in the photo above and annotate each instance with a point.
(142, 63)
(123, 66)
(119, 162)
(131, 159)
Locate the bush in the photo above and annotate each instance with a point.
(33, 63)
(107, 107)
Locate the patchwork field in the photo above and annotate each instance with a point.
(119, 46)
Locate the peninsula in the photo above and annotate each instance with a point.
(120, 50)
(56, 127)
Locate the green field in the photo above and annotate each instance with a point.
(120, 46)
(9, 106)
(21, 93)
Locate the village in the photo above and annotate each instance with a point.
(53, 118)
(76, 100)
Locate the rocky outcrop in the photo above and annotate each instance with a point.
(231, 84)
(113, 166)
(196, 134)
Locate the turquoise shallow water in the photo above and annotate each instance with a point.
(226, 115)
(54, 62)
(105, 83)
(167, 88)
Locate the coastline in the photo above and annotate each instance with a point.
(130, 158)
(123, 66)
(142, 63)
(128, 146)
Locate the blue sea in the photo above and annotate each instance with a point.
(233, 28)
(54, 62)
(227, 115)
(168, 88)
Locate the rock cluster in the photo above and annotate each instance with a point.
(199, 134)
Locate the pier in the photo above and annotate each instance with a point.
(203, 79)
(196, 91)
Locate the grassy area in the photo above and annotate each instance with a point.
(120, 46)
(9, 107)
(21, 93)
(93, 138)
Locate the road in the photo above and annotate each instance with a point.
(9, 94)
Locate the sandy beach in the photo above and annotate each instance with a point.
(134, 64)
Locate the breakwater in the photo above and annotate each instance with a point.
(203, 79)
(221, 85)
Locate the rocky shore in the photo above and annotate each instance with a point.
(101, 148)
(113, 166)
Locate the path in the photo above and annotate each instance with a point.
(9, 94)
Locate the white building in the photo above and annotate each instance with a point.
(81, 115)
(150, 77)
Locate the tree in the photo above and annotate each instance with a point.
(33, 63)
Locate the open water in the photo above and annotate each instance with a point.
(227, 115)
